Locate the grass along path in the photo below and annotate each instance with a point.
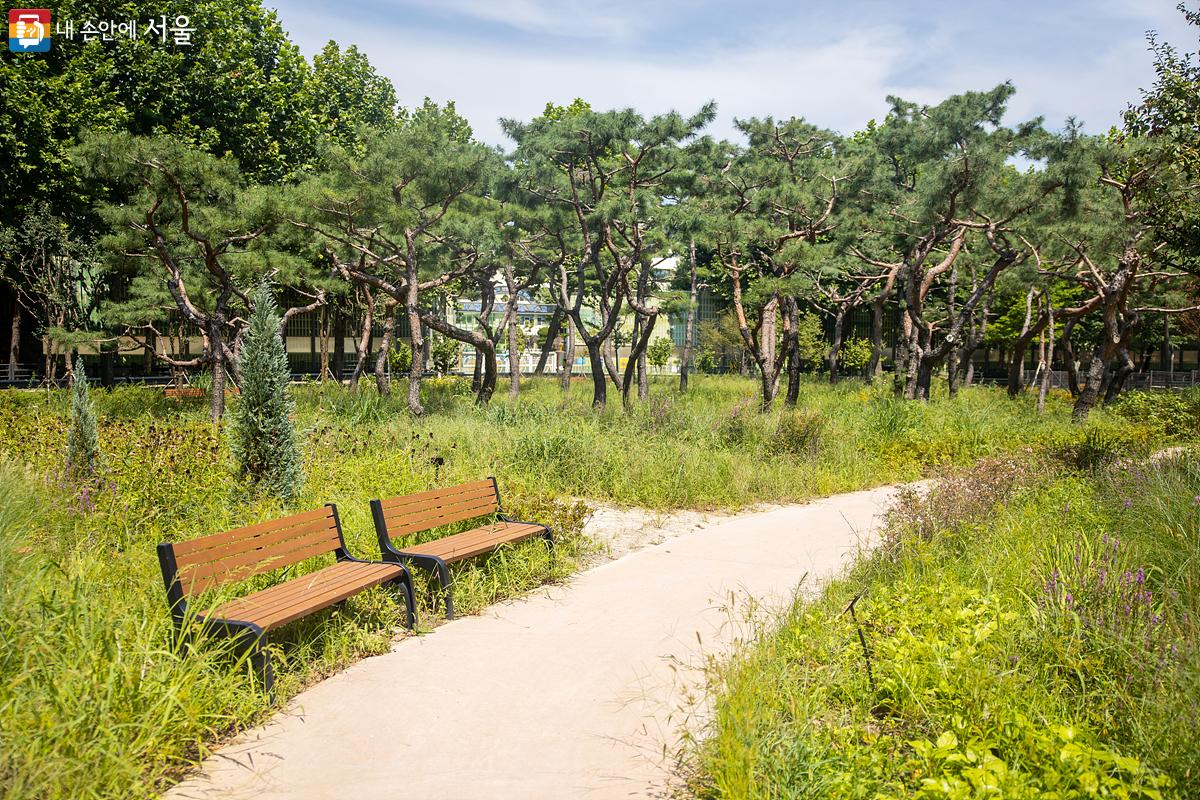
(577, 691)
(84, 633)
(1033, 633)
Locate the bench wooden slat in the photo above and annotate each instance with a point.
(326, 596)
(439, 516)
(424, 498)
(286, 593)
(285, 602)
(470, 543)
(266, 544)
(183, 549)
(204, 576)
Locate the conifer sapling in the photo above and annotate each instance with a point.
(263, 434)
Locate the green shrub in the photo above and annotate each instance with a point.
(400, 357)
(659, 352)
(83, 446)
(262, 436)
(855, 354)
(799, 433)
(1167, 411)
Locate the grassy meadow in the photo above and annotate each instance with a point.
(1032, 632)
(98, 701)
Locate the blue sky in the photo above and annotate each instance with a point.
(833, 63)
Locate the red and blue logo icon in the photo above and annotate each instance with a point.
(29, 30)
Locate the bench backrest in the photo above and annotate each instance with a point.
(420, 512)
(210, 561)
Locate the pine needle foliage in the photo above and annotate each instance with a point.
(263, 436)
(83, 444)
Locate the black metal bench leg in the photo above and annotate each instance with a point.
(261, 659)
(447, 596)
(549, 537)
(410, 602)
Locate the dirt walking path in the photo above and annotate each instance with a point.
(576, 691)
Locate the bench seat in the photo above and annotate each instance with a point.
(285, 602)
(474, 542)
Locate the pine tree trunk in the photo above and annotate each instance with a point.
(599, 382)
(552, 334)
(839, 323)
(689, 329)
(900, 361)
(383, 381)
(14, 344)
(323, 362)
(514, 344)
(216, 400)
(339, 345)
(1091, 390)
(48, 368)
(769, 387)
(1124, 369)
(1167, 356)
(608, 352)
(415, 369)
(875, 367)
(567, 364)
(362, 345)
(1047, 359)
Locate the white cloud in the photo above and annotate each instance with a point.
(564, 17)
(841, 84)
(838, 81)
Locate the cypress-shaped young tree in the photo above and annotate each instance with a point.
(263, 435)
(83, 445)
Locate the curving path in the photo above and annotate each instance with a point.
(577, 691)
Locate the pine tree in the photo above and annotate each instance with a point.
(263, 435)
(83, 445)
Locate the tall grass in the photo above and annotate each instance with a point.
(96, 700)
(1031, 631)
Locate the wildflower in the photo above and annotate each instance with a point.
(1128, 502)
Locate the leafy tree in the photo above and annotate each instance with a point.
(659, 352)
(810, 340)
(263, 436)
(240, 89)
(207, 234)
(1168, 118)
(56, 277)
(407, 218)
(941, 186)
(347, 94)
(770, 208)
(83, 443)
(855, 354)
(601, 178)
(445, 354)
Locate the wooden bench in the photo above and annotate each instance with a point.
(198, 565)
(398, 517)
